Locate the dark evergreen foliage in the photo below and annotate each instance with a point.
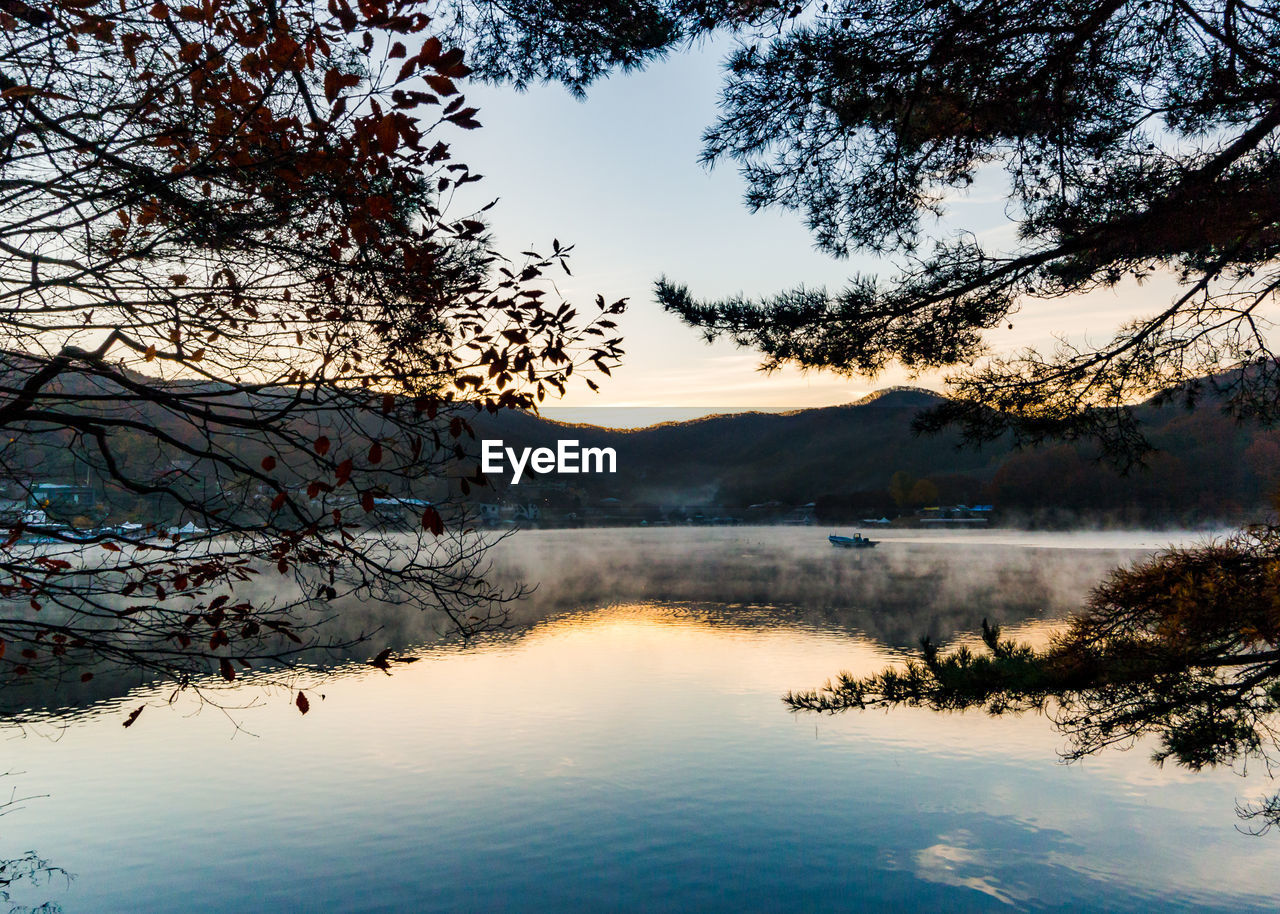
(1183, 648)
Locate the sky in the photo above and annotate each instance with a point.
(617, 176)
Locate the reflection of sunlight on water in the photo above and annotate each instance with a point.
(628, 751)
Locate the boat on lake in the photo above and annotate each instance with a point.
(857, 541)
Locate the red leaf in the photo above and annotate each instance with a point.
(85, 677)
(268, 463)
(441, 84)
(111, 547)
(431, 49)
(375, 453)
(228, 671)
(278, 502)
(366, 501)
(335, 82)
(322, 445)
(303, 705)
(431, 521)
(344, 470)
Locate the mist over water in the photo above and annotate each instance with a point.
(914, 583)
(622, 746)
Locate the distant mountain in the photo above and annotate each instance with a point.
(844, 458)
(851, 461)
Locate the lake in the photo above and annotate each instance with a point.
(624, 747)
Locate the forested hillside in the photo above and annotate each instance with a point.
(845, 459)
(851, 461)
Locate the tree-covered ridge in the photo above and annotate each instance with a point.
(845, 459)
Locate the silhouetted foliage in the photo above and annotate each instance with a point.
(1183, 647)
(575, 42)
(1134, 137)
(233, 296)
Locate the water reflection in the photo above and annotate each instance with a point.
(623, 747)
(940, 586)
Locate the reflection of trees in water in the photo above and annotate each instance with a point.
(892, 596)
(1183, 648)
(775, 577)
(28, 873)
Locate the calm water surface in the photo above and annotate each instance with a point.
(624, 748)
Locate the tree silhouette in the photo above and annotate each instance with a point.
(1183, 647)
(1134, 139)
(232, 294)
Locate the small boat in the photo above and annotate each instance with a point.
(857, 541)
